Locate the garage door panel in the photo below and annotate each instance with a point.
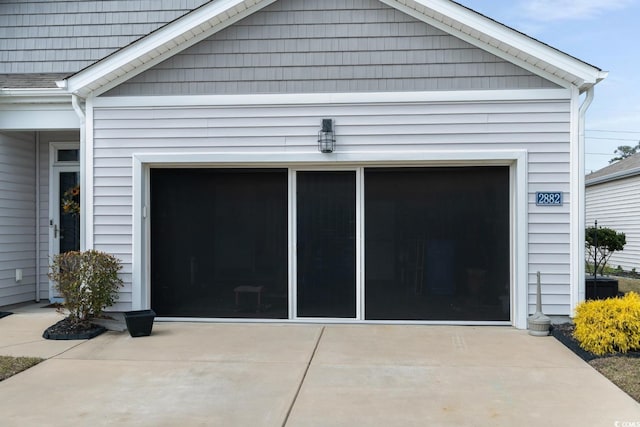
(437, 243)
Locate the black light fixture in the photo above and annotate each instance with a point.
(326, 137)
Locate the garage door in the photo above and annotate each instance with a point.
(437, 243)
(219, 243)
(283, 244)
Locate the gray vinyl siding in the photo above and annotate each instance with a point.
(17, 217)
(43, 232)
(540, 127)
(302, 46)
(48, 36)
(616, 204)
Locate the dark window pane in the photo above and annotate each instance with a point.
(69, 211)
(219, 243)
(326, 243)
(68, 155)
(437, 243)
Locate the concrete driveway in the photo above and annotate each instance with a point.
(204, 374)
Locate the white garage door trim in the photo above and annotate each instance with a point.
(516, 159)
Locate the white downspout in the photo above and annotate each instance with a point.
(77, 107)
(37, 144)
(581, 179)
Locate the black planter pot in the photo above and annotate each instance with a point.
(139, 322)
(601, 288)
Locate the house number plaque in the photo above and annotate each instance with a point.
(549, 198)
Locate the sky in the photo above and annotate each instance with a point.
(603, 33)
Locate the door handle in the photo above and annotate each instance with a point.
(55, 231)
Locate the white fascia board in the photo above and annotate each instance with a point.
(585, 73)
(183, 33)
(36, 109)
(514, 38)
(333, 98)
(38, 119)
(34, 96)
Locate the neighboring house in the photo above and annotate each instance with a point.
(195, 145)
(613, 199)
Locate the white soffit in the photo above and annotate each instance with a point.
(446, 15)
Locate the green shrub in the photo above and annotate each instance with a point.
(609, 326)
(608, 242)
(88, 281)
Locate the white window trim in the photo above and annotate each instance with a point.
(54, 147)
(516, 159)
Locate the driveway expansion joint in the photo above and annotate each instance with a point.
(304, 376)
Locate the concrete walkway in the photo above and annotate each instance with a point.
(203, 374)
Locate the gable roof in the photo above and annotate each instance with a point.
(446, 15)
(621, 169)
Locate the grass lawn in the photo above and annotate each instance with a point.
(622, 371)
(12, 365)
(626, 284)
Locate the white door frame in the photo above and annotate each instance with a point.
(55, 167)
(293, 236)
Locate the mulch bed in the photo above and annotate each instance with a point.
(66, 330)
(564, 334)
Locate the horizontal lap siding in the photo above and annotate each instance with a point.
(540, 127)
(17, 217)
(113, 216)
(304, 46)
(44, 219)
(616, 205)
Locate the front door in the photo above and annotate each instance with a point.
(64, 212)
(326, 244)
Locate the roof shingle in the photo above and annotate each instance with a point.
(619, 169)
(62, 37)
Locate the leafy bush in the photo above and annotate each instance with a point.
(88, 281)
(609, 241)
(609, 326)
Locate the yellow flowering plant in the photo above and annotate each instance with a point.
(609, 326)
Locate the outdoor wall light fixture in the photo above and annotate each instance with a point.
(326, 137)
